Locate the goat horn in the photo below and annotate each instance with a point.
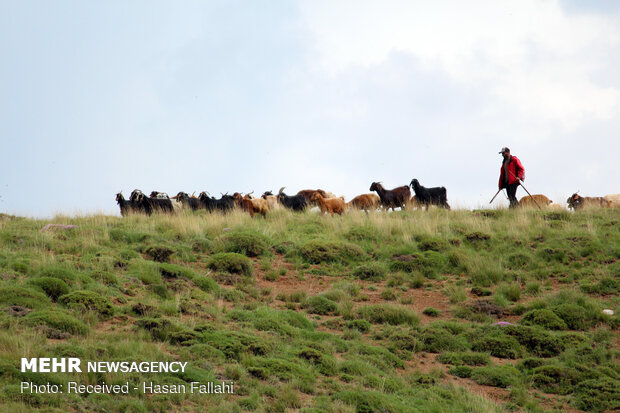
(281, 189)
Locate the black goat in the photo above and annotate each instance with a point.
(150, 205)
(160, 195)
(392, 198)
(224, 204)
(296, 202)
(190, 202)
(127, 206)
(430, 196)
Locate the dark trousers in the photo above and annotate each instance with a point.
(511, 190)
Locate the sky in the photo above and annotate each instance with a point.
(225, 96)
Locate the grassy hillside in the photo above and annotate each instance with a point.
(367, 312)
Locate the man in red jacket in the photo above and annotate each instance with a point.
(510, 176)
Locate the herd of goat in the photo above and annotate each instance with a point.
(327, 202)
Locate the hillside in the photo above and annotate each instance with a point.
(379, 312)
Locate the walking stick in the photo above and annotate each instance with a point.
(528, 192)
(497, 193)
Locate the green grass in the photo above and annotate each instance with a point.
(320, 314)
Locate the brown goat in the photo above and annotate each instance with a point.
(392, 198)
(535, 200)
(272, 200)
(251, 205)
(578, 202)
(613, 199)
(331, 205)
(365, 202)
(308, 193)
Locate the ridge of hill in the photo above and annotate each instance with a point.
(413, 311)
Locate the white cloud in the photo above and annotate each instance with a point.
(532, 55)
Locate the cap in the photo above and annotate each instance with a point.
(504, 149)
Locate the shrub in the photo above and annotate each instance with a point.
(456, 294)
(145, 271)
(475, 359)
(206, 284)
(450, 357)
(128, 254)
(388, 294)
(461, 371)
(469, 358)
(498, 346)
(477, 237)
(487, 307)
(406, 263)
(159, 253)
(606, 285)
(53, 287)
(429, 243)
(511, 291)
(428, 263)
(57, 271)
(390, 314)
(317, 252)
(532, 288)
(272, 275)
(436, 340)
(230, 262)
(496, 376)
(530, 363)
(575, 316)
(88, 300)
(106, 277)
(431, 312)
(118, 234)
(598, 394)
(365, 401)
(175, 271)
(372, 272)
(518, 261)
(245, 242)
(458, 261)
(403, 341)
(486, 276)
(56, 319)
(362, 233)
(20, 266)
(159, 290)
(536, 341)
(555, 379)
(481, 292)
(543, 318)
(360, 325)
(160, 328)
(26, 297)
(418, 281)
(320, 305)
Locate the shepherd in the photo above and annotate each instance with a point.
(511, 175)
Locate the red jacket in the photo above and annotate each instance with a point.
(514, 169)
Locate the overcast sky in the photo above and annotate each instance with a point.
(98, 97)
